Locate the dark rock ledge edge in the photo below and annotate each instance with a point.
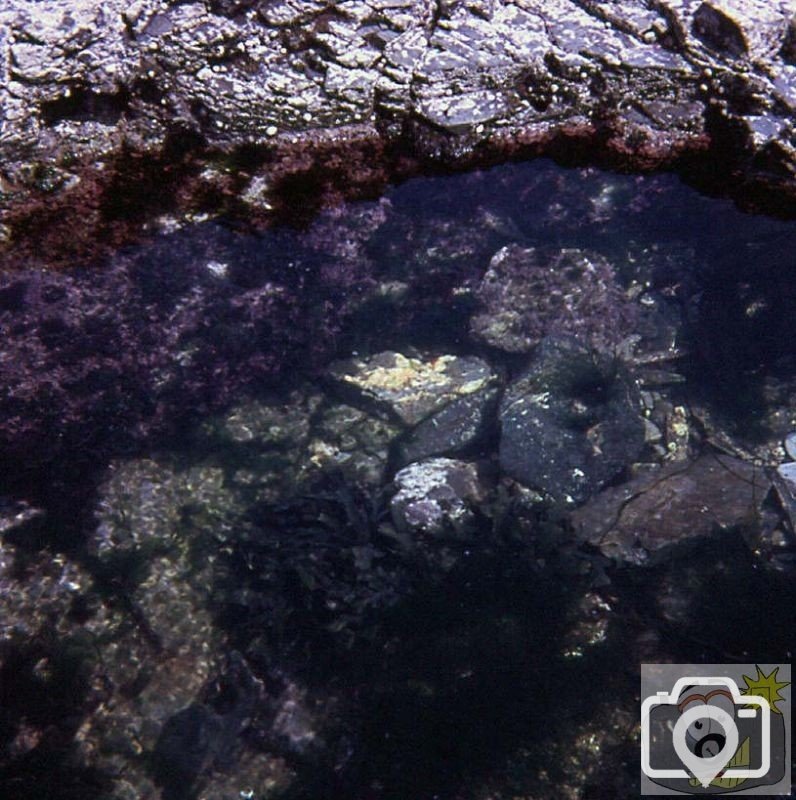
(113, 116)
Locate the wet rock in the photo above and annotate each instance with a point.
(704, 600)
(305, 93)
(19, 519)
(749, 419)
(411, 389)
(156, 525)
(785, 486)
(350, 443)
(274, 449)
(146, 507)
(205, 734)
(739, 27)
(571, 423)
(528, 293)
(149, 342)
(262, 443)
(789, 45)
(51, 674)
(443, 405)
(279, 425)
(460, 425)
(677, 503)
(437, 497)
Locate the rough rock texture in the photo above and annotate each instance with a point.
(153, 522)
(258, 102)
(434, 497)
(570, 423)
(412, 389)
(526, 294)
(272, 450)
(462, 424)
(94, 361)
(664, 507)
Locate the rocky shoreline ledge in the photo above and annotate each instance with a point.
(113, 117)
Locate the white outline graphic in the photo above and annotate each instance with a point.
(662, 698)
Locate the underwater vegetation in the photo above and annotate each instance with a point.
(392, 503)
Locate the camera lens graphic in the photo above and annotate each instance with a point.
(710, 745)
(715, 750)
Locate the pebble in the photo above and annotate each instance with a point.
(787, 472)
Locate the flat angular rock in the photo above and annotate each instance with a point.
(664, 507)
(460, 424)
(411, 388)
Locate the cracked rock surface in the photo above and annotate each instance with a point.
(344, 92)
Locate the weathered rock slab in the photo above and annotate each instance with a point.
(412, 389)
(298, 86)
(668, 506)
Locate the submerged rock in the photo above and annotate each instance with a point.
(205, 735)
(528, 293)
(437, 497)
(150, 555)
(442, 405)
(680, 502)
(99, 361)
(275, 448)
(464, 423)
(51, 673)
(350, 443)
(571, 423)
(19, 519)
(411, 389)
(785, 485)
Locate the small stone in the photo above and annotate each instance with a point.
(436, 496)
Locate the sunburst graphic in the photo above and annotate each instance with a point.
(766, 686)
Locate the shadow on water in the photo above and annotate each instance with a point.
(44, 698)
(713, 602)
(443, 662)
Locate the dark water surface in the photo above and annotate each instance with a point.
(392, 505)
